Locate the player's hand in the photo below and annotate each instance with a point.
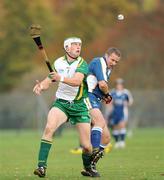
(54, 76)
(38, 88)
(107, 98)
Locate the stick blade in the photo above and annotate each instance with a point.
(35, 30)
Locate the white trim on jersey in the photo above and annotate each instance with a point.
(88, 104)
(104, 68)
(106, 71)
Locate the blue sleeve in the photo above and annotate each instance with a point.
(95, 68)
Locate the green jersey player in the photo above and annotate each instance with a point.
(71, 104)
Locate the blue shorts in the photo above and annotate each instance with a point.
(116, 117)
(119, 114)
(95, 101)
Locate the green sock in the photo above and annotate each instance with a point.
(43, 152)
(86, 157)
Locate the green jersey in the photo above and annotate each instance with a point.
(73, 100)
(68, 69)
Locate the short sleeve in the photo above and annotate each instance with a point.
(82, 67)
(97, 71)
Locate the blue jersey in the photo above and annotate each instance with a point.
(98, 71)
(120, 102)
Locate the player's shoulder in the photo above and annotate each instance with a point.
(59, 61)
(82, 60)
(95, 60)
(82, 65)
(127, 91)
(62, 58)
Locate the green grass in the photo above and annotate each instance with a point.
(142, 159)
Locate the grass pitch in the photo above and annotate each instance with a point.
(142, 159)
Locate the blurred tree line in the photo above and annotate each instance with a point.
(15, 43)
(94, 21)
(139, 37)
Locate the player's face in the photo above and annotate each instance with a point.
(119, 86)
(112, 60)
(75, 49)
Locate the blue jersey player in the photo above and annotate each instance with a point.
(122, 98)
(99, 73)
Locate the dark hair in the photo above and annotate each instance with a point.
(113, 50)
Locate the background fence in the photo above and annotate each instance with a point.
(25, 110)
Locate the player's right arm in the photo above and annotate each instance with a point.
(101, 76)
(100, 71)
(43, 85)
(103, 86)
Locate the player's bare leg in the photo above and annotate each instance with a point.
(84, 136)
(55, 118)
(105, 140)
(122, 133)
(119, 133)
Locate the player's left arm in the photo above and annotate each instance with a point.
(76, 80)
(40, 86)
(103, 86)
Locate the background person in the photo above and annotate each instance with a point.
(122, 99)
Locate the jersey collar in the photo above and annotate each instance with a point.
(65, 58)
(106, 63)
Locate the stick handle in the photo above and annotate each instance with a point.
(43, 52)
(46, 59)
(49, 66)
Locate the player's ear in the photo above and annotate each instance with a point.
(107, 55)
(67, 48)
